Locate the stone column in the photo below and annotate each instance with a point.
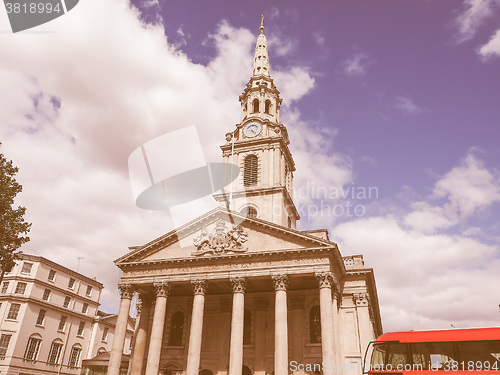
(194, 350)
(237, 322)
(364, 320)
(280, 326)
(156, 340)
(115, 358)
(277, 166)
(266, 162)
(336, 322)
(141, 334)
(325, 280)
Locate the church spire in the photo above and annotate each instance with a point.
(261, 60)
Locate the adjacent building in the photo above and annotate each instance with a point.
(240, 290)
(49, 319)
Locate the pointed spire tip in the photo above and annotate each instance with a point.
(262, 24)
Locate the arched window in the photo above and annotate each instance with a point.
(268, 106)
(74, 355)
(247, 327)
(249, 211)
(314, 325)
(206, 372)
(32, 348)
(176, 329)
(250, 166)
(246, 371)
(101, 350)
(255, 105)
(55, 352)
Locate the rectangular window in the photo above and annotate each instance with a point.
(27, 266)
(432, 356)
(46, 294)
(74, 357)
(62, 324)
(20, 288)
(483, 353)
(88, 292)
(54, 354)
(52, 275)
(4, 345)
(67, 300)
(32, 348)
(41, 317)
(5, 285)
(71, 283)
(105, 334)
(80, 329)
(14, 311)
(85, 307)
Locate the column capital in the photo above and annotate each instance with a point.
(325, 279)
(199, 286)
(239, 284)
(328, 280)
(126, 291)
(280, 282)
(361, 299)
(162, 289)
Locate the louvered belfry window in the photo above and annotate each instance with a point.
(250, 170)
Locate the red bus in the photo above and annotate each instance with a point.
(457, 351)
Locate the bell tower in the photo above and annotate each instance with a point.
(259, 146)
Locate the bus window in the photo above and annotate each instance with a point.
(485, 352)
(398, 355)
(433, 354)
(378, 355)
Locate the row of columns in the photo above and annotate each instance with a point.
(327, 312)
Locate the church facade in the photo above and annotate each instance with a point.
(240, 290)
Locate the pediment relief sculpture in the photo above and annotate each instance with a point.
(221, 241)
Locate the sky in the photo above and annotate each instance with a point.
(392, 109)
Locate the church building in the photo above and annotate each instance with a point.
(239, 290)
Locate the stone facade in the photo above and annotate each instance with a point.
(239, 290)
(49, 319)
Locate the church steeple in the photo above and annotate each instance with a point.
(259, 146)
(261, 60)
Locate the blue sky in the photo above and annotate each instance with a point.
(398, 96)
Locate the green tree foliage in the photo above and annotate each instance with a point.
(12, 224)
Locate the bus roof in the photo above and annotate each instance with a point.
(471, 334)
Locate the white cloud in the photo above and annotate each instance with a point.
(469, 187)
(319, 39)
(426, 274)
(407, 106)
(356, 65)
(473, 15)
(492, 48)
(117, 86)
(293, 83)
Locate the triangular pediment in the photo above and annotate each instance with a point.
(222, 233)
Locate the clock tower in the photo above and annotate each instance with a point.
(259, 146)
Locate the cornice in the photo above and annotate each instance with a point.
(36, 258)
(232, 257)
(50, 286)
(63, 310)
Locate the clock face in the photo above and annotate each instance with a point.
(252, 129)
